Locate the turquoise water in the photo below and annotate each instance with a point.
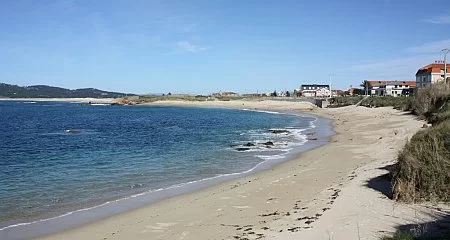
(121, 151)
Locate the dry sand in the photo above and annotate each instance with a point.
(331, 192)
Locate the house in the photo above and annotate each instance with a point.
(337, 93)
(354, 91)
(226, 94)
(374, 85)
(430, 74)
(315, 90)
(391, 88)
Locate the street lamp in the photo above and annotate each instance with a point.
(445, 51)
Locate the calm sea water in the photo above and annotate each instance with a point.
(120, 151)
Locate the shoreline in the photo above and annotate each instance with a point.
(29, 229)
(78, 100)
(311, 196)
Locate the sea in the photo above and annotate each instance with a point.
(63, 164)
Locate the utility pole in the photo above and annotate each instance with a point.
(445, 51)
(329, 76)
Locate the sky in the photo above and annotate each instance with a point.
(206, 46)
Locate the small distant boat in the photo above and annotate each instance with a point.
(73, 131)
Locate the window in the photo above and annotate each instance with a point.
(400, 86)
(396, 86)
(406, 85)
(309, 87)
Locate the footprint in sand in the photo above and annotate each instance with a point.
(159, 228)
(241, 207)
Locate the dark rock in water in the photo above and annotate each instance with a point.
(72, 131)
(249, 144)
(312, 138)
(269, 143)
(310, 134)
(278, 131)
(242, 149)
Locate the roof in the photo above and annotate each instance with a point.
(406, 82)
(376, 83)
(315, 85)
(432, 68)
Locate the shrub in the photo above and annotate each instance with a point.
(401, 103)
(399, 235)
(430, 98)
(423, 169)
(344, 101)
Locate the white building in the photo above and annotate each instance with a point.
(430, 74)
(315, 90)
(392, 88)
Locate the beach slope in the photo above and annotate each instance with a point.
(325, 193)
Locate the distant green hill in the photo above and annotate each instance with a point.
(43, 91)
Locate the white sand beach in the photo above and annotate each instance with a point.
(331, 192)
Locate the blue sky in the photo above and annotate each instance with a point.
(205, 46)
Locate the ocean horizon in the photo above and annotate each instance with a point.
(61, 158)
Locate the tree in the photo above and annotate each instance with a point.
(288, 94)
(274, 94)
(366, 85)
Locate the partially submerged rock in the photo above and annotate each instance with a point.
(240, 149)
(278, 131)
(268, 143)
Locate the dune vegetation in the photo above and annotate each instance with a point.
(423, 169)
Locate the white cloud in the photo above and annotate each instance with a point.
(430, 47)
(439, 20)
(185, 46)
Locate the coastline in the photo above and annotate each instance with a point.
(273, 204)
(268, 204)
(90, 214)
(80, 100)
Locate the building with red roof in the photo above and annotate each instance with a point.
(393, 88)
(430, 74)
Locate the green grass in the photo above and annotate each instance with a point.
(344, 101)
(399, 235)
(401, 103)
